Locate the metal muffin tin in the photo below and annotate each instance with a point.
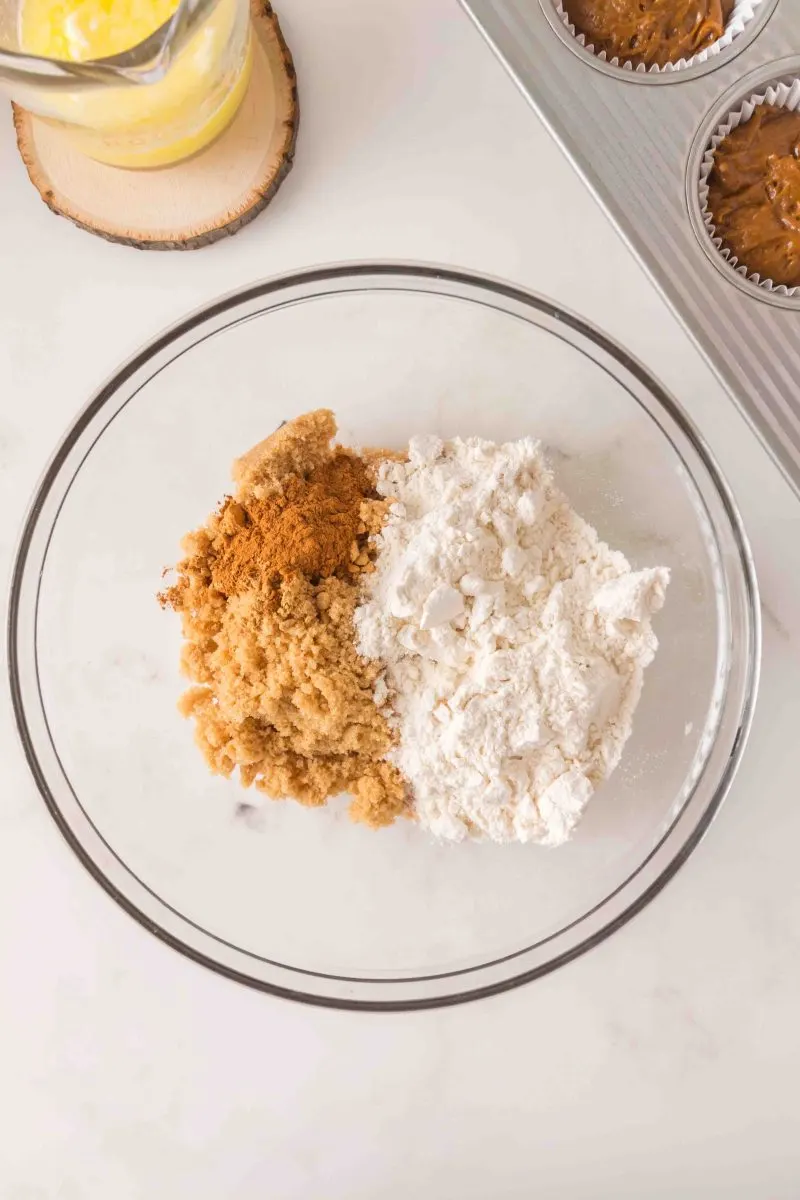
(637, 139)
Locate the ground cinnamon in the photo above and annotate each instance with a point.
(309, 526)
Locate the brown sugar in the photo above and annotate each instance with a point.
(267, 593)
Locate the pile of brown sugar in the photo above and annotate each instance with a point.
(266, 593)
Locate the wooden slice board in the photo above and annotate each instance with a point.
(193, 203)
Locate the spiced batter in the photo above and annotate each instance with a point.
(754, 194)
(649, 32)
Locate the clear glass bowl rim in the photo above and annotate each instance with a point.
(689, 825)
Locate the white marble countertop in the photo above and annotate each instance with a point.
(662, 1064)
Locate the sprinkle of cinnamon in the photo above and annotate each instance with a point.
(309, 526)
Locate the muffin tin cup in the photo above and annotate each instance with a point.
(782, 94)
(639, 139)
(743, 13)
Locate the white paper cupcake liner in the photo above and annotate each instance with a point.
(743, 12)
(781, 95)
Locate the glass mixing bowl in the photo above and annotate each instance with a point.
(302, 902)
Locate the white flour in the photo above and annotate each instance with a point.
(514, 641)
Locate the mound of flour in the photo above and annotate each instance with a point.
(514, 641)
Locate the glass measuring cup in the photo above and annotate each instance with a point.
(160, 101)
